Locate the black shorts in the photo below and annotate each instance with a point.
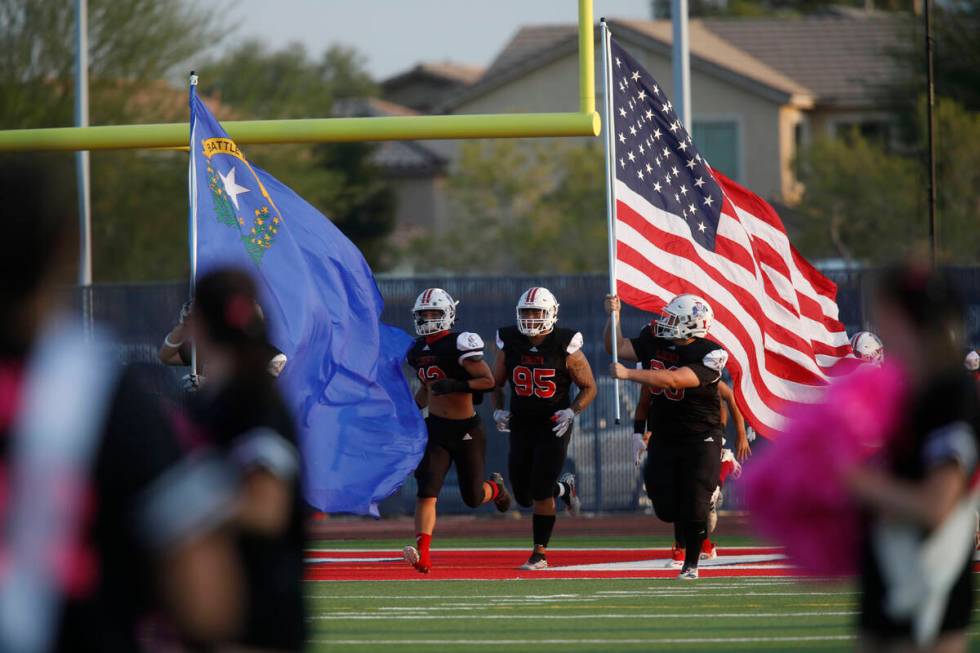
(681, 475)
(536, 458)
(874, 621)
(460, 441)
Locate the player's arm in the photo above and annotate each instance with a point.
(742, 448)
(581, 373)
(642, 412)
(169, 353)
(499, 380)
(950, 456)
(678, 379)
(422, 396)
(624, 347)
(481, 376)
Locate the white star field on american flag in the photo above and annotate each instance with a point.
(655, 156)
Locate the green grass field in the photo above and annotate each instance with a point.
(572, 616)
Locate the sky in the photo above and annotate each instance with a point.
(394, 35)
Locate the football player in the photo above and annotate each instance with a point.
(730, 465)
(540, 362)
(972, 364)
(682, 369)
(868, 348)
(451, 369)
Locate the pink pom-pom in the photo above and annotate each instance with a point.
(794, 489)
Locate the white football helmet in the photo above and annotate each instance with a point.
(536, 299)
(434, 299)
(972, 361)
(868, 348)
(686, 316)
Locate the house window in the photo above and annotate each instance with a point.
(717, 140)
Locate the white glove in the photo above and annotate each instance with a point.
(639, 448)
(563, 420)
(191, 382)
(502, 418)
(749, 433)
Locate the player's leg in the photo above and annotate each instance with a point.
(520, 463)
(429, 476)
(470, 454)
(701, 462)
(548, 459)
(659, 478)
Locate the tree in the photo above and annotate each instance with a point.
(338, 178)
(862, 203)
(521, 207)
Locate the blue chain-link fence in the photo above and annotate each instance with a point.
(601, 451)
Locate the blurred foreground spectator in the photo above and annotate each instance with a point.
(106, 519)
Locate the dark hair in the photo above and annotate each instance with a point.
(226, 305)
(926, 295)
(36, 213)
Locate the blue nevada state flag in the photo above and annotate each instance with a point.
(360, 431)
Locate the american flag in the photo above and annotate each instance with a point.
(683, 227)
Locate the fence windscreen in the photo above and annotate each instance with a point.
(600, 453)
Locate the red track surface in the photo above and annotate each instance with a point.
(377, 565)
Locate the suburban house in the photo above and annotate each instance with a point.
(760, 87)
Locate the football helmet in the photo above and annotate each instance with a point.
(685, 316)
(972, 361)
(536, 299)
(434, 299)
(868, 348)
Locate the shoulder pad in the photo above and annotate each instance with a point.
(716, 359)
(575, 344)
(468, 341)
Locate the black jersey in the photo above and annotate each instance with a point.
(538, 374)
(441, 356)
(688, 412)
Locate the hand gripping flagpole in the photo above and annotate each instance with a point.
(192, 210)
(607, 123)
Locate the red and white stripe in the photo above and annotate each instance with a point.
(774, 312)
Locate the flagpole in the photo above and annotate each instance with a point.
(82, 167)
(931, 130)
(192, 209)
(607, 123)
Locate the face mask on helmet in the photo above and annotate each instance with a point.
(537, 312)
(434, 312)
(868, 348)
(686, 316)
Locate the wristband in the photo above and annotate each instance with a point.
(639, 426)
(175, 345)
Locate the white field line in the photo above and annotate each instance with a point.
(644, 593)
(359, 616)
(653, 549)
(532, 642)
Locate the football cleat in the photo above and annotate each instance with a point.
(688, 573)
(502, 502)
(412, 557)
(536, 562)
(708, 550)
(676, 558)
(572, 503)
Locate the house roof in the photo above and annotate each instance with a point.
(844, 58)
(838, 58)
(450, 71)
(396, 157)
(537, 45)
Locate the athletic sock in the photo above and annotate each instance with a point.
(679, 535)
(494, 490)
(560, 489)
(697, 531)
(542, 525)
(422, 542)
